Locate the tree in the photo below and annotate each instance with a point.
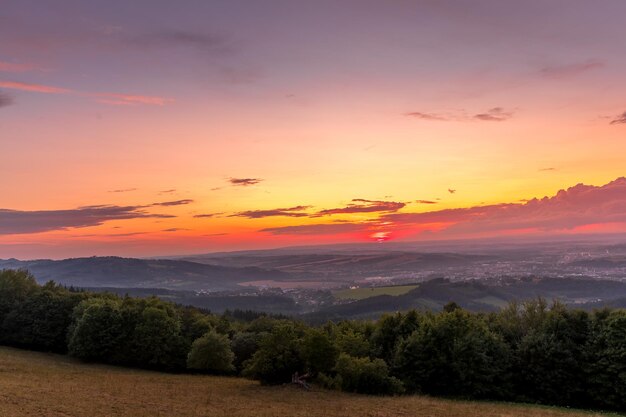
(606, 373)
(211, 352)
(16, 286)
(157, 341)
(96, 333)
(278, 356)
(244, 345)
(551, 358)
(41, 321)
(454, 354)
(318, 351)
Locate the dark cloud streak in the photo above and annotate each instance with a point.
(173, 203)
(297, 211)
(621, 119)
(244, 182)
(22, 222)
(360, 205)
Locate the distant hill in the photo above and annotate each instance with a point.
(346, 266)
(147, 273)
(479, 296)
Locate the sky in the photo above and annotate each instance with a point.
(151, 127)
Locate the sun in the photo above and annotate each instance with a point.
(381, 236)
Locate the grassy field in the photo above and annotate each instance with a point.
(37, 384)
(362, 293)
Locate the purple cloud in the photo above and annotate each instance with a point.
(360, 205)
(297, 211)
(571, 70)
(206, 215)
(20, 222)
(426, 116)
(173, 203)
(496, 114)
(621, 119)
(244, 182)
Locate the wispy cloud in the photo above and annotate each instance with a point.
(244, 182)
(15, 67)
(317, 229)
(496, 114)
(619, 119)
(174, 229)
(20, 222)
(297, 211)
(34, 88)
(207, 215)
(547, 169)
(6, 99)
(129, 99)
(571, 70)
(426, 202)
(123, 190)
(213, 43)
(104, 98)
(174, 203)
(360, 205)
(426, 116)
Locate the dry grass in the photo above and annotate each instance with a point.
(36, 384)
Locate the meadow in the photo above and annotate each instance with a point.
(41, 384)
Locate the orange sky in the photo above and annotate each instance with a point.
(123, 109)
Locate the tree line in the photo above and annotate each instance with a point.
(530, 352)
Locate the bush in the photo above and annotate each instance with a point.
(365, 376)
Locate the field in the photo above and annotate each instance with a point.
(363, 293)
(38, 384)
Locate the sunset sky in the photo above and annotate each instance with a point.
(144, 128)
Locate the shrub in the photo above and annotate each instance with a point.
(365, 376)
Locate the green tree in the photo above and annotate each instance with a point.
(244, 345)
(454, 354)
(41, 321)
(157, 341)
(278, 356)
(96, 333)
(318, 351)
(211, 352)
(606, 372)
